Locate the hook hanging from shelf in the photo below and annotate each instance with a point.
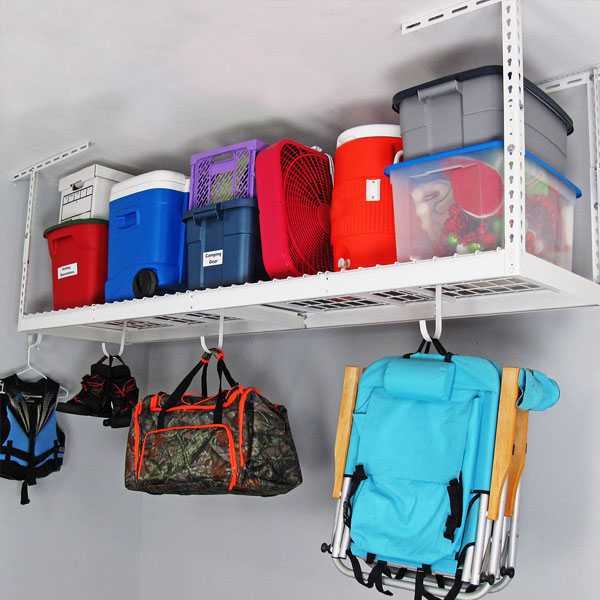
(438, 318)
(220, 342)
(31, 346)
(122, 345)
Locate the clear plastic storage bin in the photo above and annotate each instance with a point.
(453, 203)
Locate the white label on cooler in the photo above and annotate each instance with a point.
(373, 190)
(212, 258)
(67, 271)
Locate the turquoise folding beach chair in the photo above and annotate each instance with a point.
(429, 455)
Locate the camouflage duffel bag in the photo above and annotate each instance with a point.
(235, 442)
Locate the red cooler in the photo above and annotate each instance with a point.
(79, 253)
(362, 211)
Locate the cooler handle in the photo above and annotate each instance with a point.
(398, 156)
(128, 220)
(434, 91)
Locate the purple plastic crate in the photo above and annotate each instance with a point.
(224, 174)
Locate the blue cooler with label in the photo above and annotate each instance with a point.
(223, 244)
(146, 236)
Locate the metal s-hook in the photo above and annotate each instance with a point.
(122, 346)
(438, 318)
(220, 342)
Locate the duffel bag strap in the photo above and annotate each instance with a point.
(221, 368)
(175, 397)
(177, 394)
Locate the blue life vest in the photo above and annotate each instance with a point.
(31, 443)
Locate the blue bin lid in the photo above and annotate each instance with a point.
(475, 148)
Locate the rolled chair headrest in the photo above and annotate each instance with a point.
(425, 380)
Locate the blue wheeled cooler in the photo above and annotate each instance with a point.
(223, 244)
(146, 236)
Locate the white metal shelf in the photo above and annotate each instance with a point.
(476, 284)
(504, 281)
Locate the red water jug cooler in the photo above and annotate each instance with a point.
(362, 212)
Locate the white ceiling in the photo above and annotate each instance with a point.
(151, 82)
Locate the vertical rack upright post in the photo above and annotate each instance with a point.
(27, 244)
(590, 78)
(593, 89)
(514, 135)
(32, 172)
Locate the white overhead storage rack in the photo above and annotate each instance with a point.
(508, 280)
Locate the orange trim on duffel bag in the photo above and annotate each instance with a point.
(232, 456)
(136, 414)
(156, 406)
(241, 422)
(219, 356)
(232, 393)
(156, 401)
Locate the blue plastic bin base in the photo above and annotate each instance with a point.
(223, 244)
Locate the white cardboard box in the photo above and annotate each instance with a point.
(85, 194)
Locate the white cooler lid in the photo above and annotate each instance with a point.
(364, 131)
(169, 180)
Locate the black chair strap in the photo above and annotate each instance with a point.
(441, 350)
(376, 577)
(425, 346)
(356, 568)
(454, 520)
(358, 476)
(421, 592)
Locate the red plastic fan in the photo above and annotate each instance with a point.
(294, 188)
